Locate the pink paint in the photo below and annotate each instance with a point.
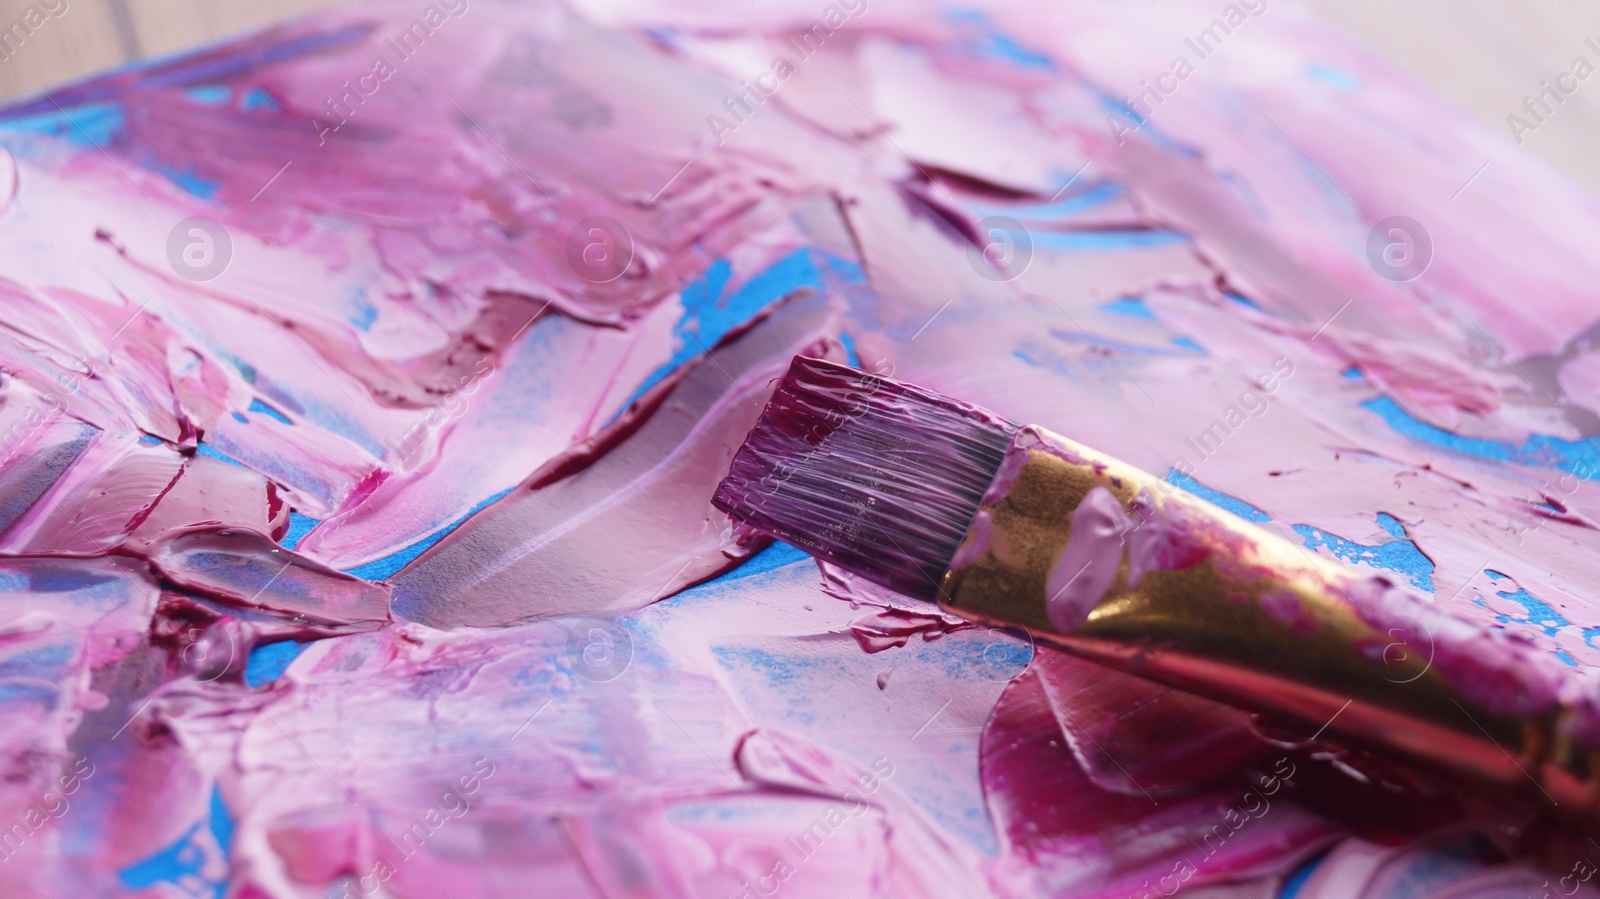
(1164, 537)
(1285, 607)
(1157, 537)
(1083, 572)
(400, 338)
(892, 628)
(246, 568)
(1503, 671)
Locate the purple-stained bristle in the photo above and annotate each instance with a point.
(877, 476)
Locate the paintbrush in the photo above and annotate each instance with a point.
(1021, 528)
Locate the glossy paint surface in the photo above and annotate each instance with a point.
(365, 385)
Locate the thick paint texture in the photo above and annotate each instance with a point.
(364, 385)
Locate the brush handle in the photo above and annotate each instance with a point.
(1115, 565)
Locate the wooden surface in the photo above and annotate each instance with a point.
(1483, 55)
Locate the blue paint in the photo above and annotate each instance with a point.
(210, 94)
(180, 860)
(1339, 78)
(773, 557)
(296, 470)
(1136, 122)
(989, 42)
(259, 98)
(268, 661)
(65, 580)
(1241, 299)
(299, 527)
(1090, 361)
(1537, 613)
(258, 406)
(1188, 344)
(1392, 525)
(330, 418)
(1072, 368)
(1004, 47)
(1034, 356)
(184, 862)
(28, 689)
(776, 557)
(787, 678)
(1352, 374)
(365, 314)
(711, 310)
(206, 449)
(1539, 450)
(1246, 193)
(1095, 195)
(43, 470)
(1399, 555)
(147, 440)
(47, 662)
(1081, 338)
(205, 68)
(387, 566)
(189, 179)
(849, 349)
(1127, 239)
(1297, 880)
(222, 823)
(1133, 307)
(90, 125)
(1222, 500)
(239, 418)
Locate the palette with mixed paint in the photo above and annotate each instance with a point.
(366, 382)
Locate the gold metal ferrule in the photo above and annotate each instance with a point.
(1247, 617)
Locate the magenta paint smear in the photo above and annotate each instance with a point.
(364, 384)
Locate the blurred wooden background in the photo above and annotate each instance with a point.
(1484, 55)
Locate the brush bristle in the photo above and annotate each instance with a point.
(874, 475)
